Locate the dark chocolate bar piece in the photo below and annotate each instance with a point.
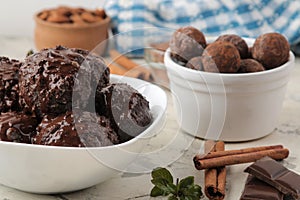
(276, 175)
(256, 189)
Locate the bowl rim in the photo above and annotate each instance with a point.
(168, 59)
(38, 20)
(127, 143)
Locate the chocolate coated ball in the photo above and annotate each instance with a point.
(85, 131)
(250, 65)
(17, 127)
(186, 43)
(126, 108)
(237, 41)
(47, 80)
(271, 49)
(221, 57)
(9, 85)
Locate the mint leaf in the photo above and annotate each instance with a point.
(186, 182)
(164, 185)
(192, 192)
(189, 191)
(162, 173)
(184, 189)
(155, 192)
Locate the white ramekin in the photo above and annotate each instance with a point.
(229, 107)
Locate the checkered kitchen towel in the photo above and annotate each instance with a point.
(134, 20)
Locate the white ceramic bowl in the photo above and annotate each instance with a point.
(48, 169)
(229, 107)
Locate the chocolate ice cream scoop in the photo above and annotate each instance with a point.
(221, 57)
(50, 80)
(9, 88)
(126, 108)
(238, 42)
(250, 65)
(186, 43)
(17, 127)
(84, 130)
(271, 49)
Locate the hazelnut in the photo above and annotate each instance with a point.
(250, 65)
(221, 57)
(195, 63)
(271, 50)
(186, 43)
(237, 41)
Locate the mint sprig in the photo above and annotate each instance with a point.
(184, 189)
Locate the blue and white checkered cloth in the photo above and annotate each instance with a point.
(134, 20)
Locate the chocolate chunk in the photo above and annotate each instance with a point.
(186, 43)
(48, 77)
(88, 130)
(250, 65)
(276, 175)
(221, 57)
(256, 189)
(9, 88)
(126, 108)
(271, 49)
(237, 41)
(17, 127)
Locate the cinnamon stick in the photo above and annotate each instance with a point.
(239, 151)
(238, 157)
(134, 73)
(122, 60)
(134, 69)
(215, 178)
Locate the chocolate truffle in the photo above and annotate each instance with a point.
(126, 108)
(238, 42)
(9, 88)
(86, 130)
(221, 57)
(195, 63)
(17, 127)
(49, 79)
(186, 43)
(250, 65)
(271, 50)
